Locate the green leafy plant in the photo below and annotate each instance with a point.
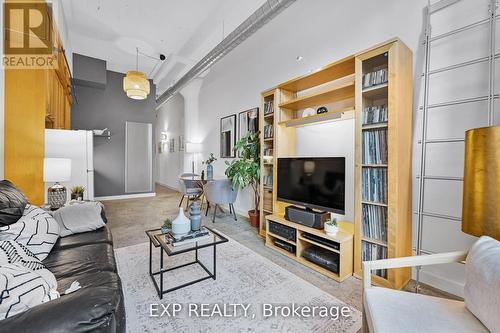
(78, 190)
(211, 159)
(246, 170)
(332, 222)
(167, 224)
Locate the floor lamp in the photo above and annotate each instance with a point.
(193, 148)
(481, 194)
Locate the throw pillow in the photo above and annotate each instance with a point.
(36, 229)
(23, 288)
(12, 252)
(482, 286)
(79, 217)
(12, 203)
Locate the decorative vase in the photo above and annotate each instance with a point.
(181, 225)
(195, 216)
(254, 218)
(210, 172)
(331, 230)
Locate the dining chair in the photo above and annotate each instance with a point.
(220, 192)
(189, 188)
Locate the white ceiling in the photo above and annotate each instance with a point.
(183, 30)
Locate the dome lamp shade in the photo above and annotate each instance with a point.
(136, 85)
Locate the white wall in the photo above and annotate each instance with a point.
(170, 119)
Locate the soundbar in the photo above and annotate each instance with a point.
(306, 217)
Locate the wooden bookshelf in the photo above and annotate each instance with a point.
(339, 88)
(396, 94)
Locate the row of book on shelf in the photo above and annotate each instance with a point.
(375, 114)
(374, 220)
(375, 146)
(268, 151)
(268, 107)
(374, 252)
(374, 184)
(375, 78)
(268, 131)
(267, 180)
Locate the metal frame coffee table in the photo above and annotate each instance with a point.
(157, 239)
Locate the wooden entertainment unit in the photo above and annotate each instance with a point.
(344, 238)
(373, 88)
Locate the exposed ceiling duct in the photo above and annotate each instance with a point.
(258, 19)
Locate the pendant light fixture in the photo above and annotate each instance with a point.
(135, 83)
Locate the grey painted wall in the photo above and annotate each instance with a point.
(110, 107)
(89, 71)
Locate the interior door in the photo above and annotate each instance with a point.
(138, 157)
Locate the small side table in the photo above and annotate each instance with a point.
(158, 240)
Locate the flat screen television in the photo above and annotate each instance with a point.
(313, 182)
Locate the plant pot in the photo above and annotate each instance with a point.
(254, 218)
(331, 230)
(77, 196)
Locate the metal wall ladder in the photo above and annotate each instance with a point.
(425, 108)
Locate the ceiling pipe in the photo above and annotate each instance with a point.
(257, 20)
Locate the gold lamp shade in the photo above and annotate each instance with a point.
(481, 198)
(136, 85)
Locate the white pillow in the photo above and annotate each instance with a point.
(79, 217)
(482, 286)
(22, 288)
(36, 229)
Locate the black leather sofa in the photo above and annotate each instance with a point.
(97, 307)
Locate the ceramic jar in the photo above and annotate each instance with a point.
(210, 172)
(195, 216)
(181, 225)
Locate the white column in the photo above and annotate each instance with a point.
(191, 95)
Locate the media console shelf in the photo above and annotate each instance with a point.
(343, 240)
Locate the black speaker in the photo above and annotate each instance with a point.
(306, 217)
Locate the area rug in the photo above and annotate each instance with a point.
(269, 293)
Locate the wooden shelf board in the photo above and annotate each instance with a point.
(337, 93)
(267, 211)
(333, 71)
(374, 126)
(268, 139)
(374, 241)
(269, 115)
(327, 116)
(320, 269)
(374, 203)
(282, 238)
(318, 244)
(280, 250)
(268, 187)
(375, 92)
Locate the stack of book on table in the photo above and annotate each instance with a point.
(190, 237)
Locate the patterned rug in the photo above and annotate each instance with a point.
(267, 291)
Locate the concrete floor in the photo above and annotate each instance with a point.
(128, 219)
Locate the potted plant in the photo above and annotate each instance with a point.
(246, 171)
(166, 226)
(77, 193)
(331, 227)
(210, 169)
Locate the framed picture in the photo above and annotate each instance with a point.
(181, 142)
(172, 145)
(248, 121)
(227, 136)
